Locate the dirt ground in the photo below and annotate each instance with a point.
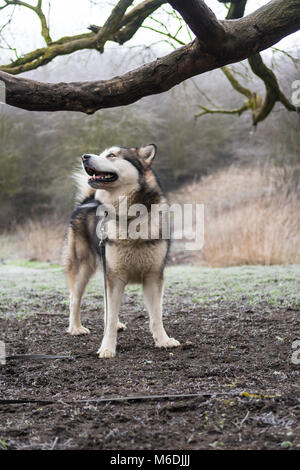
(235, 357)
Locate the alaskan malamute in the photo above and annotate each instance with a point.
(108, 179)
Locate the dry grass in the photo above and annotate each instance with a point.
(37, 240)
(249, 219)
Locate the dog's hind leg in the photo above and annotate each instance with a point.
(115, 289)
(121, 326)
(153, 293)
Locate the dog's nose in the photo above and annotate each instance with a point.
(85, 157)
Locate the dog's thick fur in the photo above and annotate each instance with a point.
(128, 260)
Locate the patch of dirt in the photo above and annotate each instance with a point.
(226, 355)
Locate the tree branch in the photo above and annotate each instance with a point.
(245, 107)
(38, 10)
(112, 23)
(273, 92)
(244, 37)
(236, 9)
(127, 25)
(260, 109)
(202, 22)
(254, 102)
(132, 21)
(273, 21)
(235, 84)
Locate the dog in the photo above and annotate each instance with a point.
(106, 179)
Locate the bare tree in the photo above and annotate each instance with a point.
(217, 44)
(260, 108)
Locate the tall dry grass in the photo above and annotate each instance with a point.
(249, 217)
(36, 240)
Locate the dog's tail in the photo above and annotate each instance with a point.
(84, 191)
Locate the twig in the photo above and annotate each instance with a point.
(138, 398)
(54, 443)
(245, 418)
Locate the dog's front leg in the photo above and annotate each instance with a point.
(115, 289)
(153, 294)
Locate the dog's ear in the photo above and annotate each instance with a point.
(147, 154)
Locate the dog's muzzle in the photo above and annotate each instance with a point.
(97, 176)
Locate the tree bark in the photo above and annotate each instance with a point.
(202, 21)
(242, 38)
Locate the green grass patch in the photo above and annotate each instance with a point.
(28, 287)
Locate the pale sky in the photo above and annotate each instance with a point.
(68, 17)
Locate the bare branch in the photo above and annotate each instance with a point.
(4, 6)
(169, 35)
(45, 29)
(273, 21)
(260, 109)
(235, 84)
(245, 107)
(113, 21)
(202, 22)
(273, 92)
(295, 61)
(253, 104)
(134, 19)
(111, 25)
(236, 9)
(124, 27)
(38, 10)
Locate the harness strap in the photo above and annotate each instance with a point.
(102, 241)
(103, 258)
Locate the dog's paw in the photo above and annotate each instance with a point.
(78, 330)
(106, 353)
(168, 343)
(121, 326)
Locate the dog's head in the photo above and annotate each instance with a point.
(118, 166)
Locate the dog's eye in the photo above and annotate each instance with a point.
(111, 155)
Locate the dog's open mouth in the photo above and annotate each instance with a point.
(100, 176)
